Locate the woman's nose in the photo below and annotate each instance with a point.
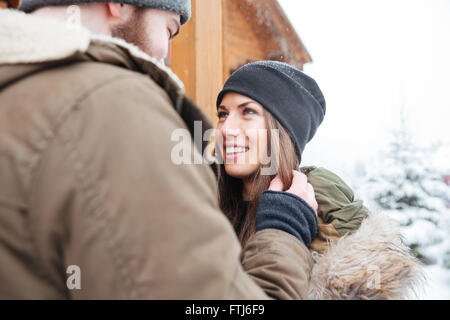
(231, 132)
(231, 127)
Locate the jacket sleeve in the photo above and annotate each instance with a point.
(111, 199)
(264, 259)
(337, 205)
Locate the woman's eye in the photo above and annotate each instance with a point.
(249, 111)
(221, 115)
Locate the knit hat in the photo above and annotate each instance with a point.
(291, 96)
(182, 7)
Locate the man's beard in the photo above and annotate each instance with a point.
(133, 31)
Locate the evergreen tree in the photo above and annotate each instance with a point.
(409, 177)
(407, 184)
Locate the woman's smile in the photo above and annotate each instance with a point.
(232, 153)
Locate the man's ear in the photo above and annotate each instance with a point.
(115, 9)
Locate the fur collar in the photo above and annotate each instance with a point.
(26, 38)
(372, 263)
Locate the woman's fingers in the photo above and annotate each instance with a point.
(299, 182)
(301, 188)
(276, 184)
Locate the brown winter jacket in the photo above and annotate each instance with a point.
(86, 179)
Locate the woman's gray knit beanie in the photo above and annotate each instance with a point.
(182, 7)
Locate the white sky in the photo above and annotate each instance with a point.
(370, 57)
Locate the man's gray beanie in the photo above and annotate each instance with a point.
(182, 7)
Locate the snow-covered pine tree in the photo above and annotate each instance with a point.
(408, 184)
(410, 178)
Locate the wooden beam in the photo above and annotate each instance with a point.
(197, 56)
(183, 56)
(9, 3)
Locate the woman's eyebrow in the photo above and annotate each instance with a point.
(245, 104)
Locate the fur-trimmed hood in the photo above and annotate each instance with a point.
(371, 263)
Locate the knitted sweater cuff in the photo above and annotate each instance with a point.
(287, 212)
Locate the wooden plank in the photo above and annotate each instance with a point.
(197, 56)
(259, 30)
(13, 3)
(209, 54)
(183, 55)
(245, 38)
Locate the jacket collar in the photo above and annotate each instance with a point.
(27, 39)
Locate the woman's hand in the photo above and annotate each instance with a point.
(299, 187)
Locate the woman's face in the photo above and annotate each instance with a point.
(241, 135)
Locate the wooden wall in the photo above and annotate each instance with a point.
(197, 54)
(245, 37)
(13, 3)
(241, 42)
(223, 35)
(259, 30)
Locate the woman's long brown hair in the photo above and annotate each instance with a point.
(231, 199)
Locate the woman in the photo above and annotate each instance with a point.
(267, 113)
(250, 111)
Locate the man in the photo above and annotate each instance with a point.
(91, 205)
